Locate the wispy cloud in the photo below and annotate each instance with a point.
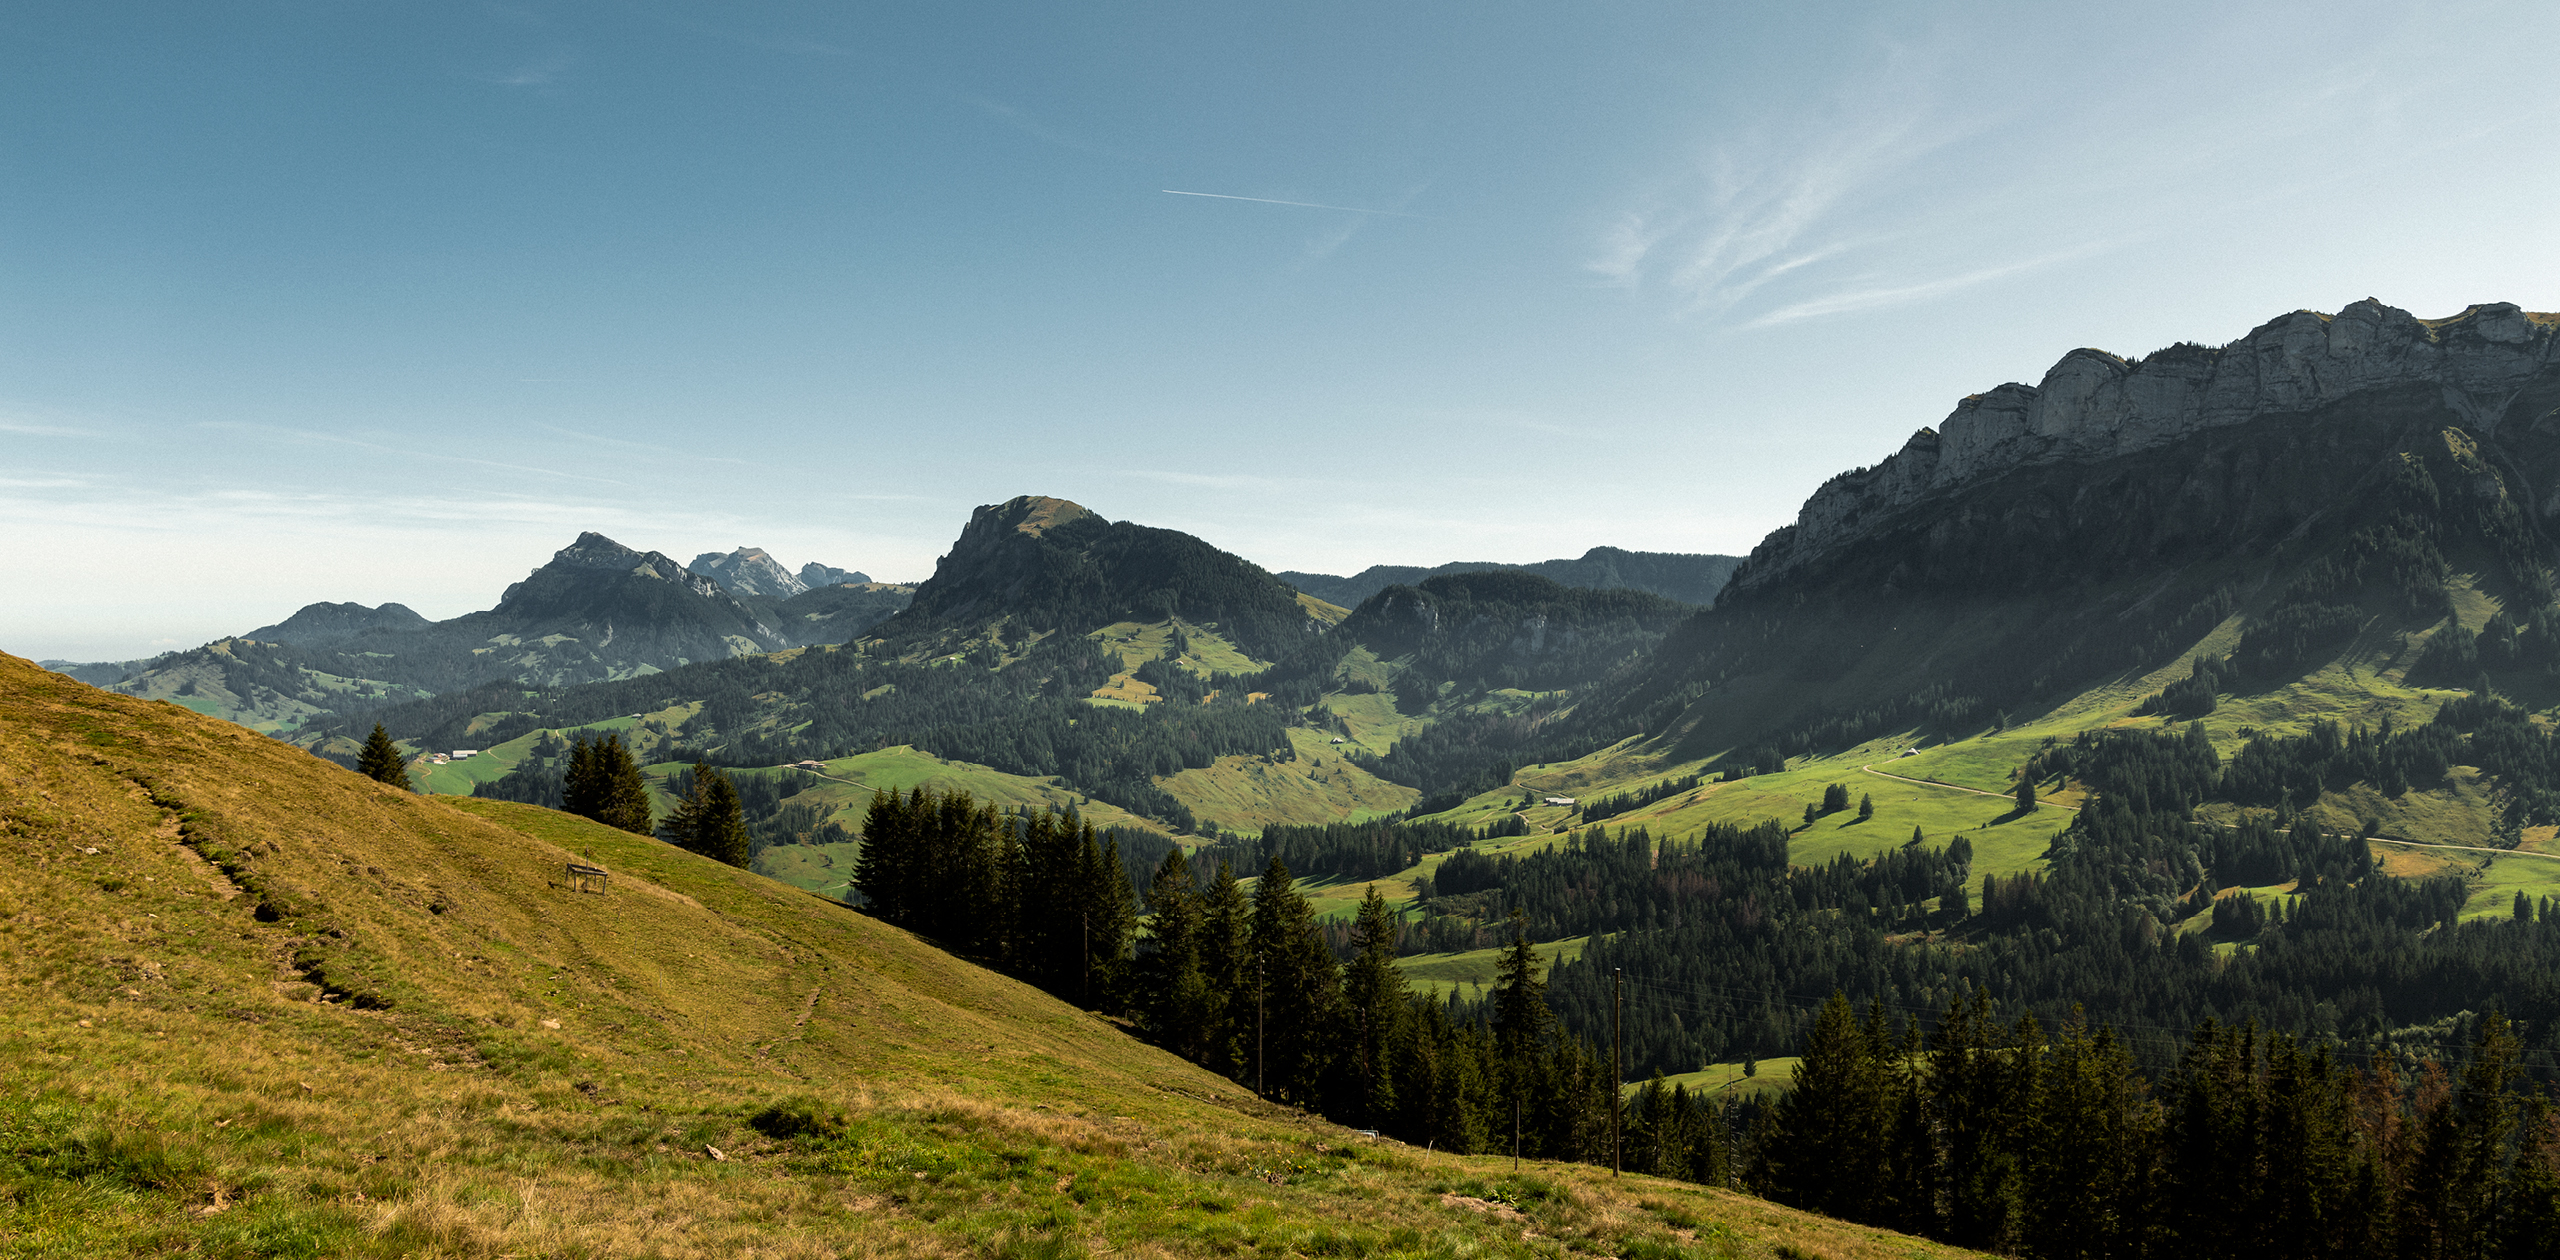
(1309, 205)
(1853, 301)
(1772, 198)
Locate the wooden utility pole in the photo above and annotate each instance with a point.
(1259, 978)
(1617, 1071)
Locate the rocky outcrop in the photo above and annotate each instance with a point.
(815, 576)
(2093, 405)
(595, 553)
(749, 571)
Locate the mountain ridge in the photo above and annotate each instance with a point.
(1690, 578)
(2093, 404)
(1056, 566)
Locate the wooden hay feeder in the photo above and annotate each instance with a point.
(583, 878)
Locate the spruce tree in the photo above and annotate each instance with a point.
(1300, 989)
(1520, 1014)
(624, 792)
(381, 761)
(681, 822)
(1109, 922)
(1822, 1143)
(717, 828)
(2026, 794)
(881, 868)
(581, 789)
(1227, 969)
(1173, 995)
(1374, 993)
(604, 783)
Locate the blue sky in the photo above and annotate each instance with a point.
(318, 300)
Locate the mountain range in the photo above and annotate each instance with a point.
(2207, 687)
(597, 610)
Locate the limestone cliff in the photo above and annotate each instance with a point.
(2093, 405)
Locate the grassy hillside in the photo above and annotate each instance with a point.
(262, 1007)
(1317, 786)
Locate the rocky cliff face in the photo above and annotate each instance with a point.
(749, 571)
(2093, 405)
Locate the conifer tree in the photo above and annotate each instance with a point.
(708, 818)
(1374, 995)
(2085, 1178)
(2026, 794)
(2449, 1209)
(1520, 1013)
(1173, 993)
(381, 761)
(883, 868)
(1300, 988)
(580, 791)
(2531, 1227)
(604, 783)
(1051, 942)
(626, 792)
(1226, 967)
(1979, 1084)
(1110, 920)
(1821, 1144)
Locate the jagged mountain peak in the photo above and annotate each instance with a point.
(750, 571)
(594, 553)
(2093, 404)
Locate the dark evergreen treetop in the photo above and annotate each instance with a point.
(709, 818)
(603, 782)
(381, 759)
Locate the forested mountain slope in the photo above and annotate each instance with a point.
(2363, 477)
(1035, 566)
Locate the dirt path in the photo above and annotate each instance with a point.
(2006, 796)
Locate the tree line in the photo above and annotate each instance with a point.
(2000, 1136)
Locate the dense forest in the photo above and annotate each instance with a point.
(2006, 1137)
(1955, 1122)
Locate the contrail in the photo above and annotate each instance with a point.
(1311, 205)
